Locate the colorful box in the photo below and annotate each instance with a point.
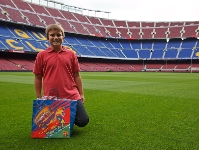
(53, 118)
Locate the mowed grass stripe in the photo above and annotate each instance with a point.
(147, 88)
(165, 84)
(17, 79)
(187, 78)
(182, 85)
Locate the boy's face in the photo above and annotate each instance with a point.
(55, 38)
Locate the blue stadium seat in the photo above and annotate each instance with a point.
(159, 44)
(171, 53)
(2, 45)
(97, 52)
(5, 32)
(118, 52)
(136, 44)
(83, 50)
(157, 54)
(106, 43)
(144, 54)
(96, 43)
(188, 43)
(147, 45)
(71, 40)
(108, 52)
(126, 44)
(130, 53)
(185, 53)
(174, 44)
(116, 44)
(84, 41)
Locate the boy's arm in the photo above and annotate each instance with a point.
(78, 82)
(38, 85)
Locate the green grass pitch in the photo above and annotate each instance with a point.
(132, 110)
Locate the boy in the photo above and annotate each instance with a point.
(58, 68)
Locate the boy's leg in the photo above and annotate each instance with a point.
(81, 118)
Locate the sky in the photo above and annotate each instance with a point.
(137, 10)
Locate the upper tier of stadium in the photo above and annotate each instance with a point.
(32, 14)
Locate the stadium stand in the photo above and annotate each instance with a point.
(161, 33)
(119, 23)
(112, 45)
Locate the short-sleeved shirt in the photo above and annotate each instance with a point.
(57, 69)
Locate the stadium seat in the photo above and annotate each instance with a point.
(22, 5)
(147, 33)
(120, 23)
(15, 15)
(175, 32)
(130, 53)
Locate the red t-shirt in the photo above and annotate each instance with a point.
(57, 69)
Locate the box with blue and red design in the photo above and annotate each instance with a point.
(53, 118)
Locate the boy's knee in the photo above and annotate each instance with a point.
(81, 119)
(82, 123)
